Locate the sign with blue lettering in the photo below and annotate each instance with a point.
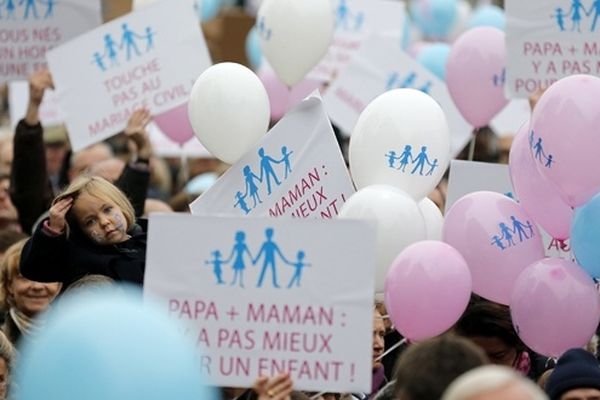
(262, 296)
(135, 61)
(30, 28)
(297, 170)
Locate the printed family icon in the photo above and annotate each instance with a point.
(538, 151)
(499, 79)
(128, 44)
(262, 29)
(346, 19)
(30, 9)
(506, 237)
(271, 255)
(395, 82)
(575, 14)
(417, 163)
(267, 172)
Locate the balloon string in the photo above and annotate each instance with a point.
(472, 144)
(388, 351)
(184, 173)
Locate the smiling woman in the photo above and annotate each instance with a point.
(21, 298)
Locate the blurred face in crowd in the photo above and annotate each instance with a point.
(581, 394)
(55, 156)
(512, 391)
(87, 157)
(32, 297)
(378, 335)
(498, 352)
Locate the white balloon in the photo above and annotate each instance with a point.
(229, 110)
(434, 220)
(398, 220)
(294, 35)
(401, 139)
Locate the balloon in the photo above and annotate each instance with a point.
(464, 12)
(280, 23)
(282, 97)
(554, 306)
(427, 289)
(488, 15)
(434, 220)
(175, 124)
(253, 52)
(108, 345)
(585, 236)
(566, 137)
(210, 9)
(229, 110)
(397, 217)
(475, 74)
(434, 58)
(435, 18)
(538, 196)
(401, 139)
(496, 237)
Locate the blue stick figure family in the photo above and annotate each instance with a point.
(262, 29)
(499, 79)
(128, 44)
(417, 163)
(267, 176)
(575, 13)
(271, 256)
(538, 151)
(346, 19)
(31, 9)
(394, 81)
(506, 237)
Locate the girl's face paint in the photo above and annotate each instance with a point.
(101, 220)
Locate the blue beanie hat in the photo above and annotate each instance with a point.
(575, 369)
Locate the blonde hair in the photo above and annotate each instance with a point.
(9, 270)
(101, 188)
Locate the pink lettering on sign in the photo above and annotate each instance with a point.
(289, 314)
(193, 309)
(321, 370)
(347, 98)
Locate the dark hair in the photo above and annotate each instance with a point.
(426, 369)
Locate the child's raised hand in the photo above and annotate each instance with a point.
(136, 132)
(58, 213)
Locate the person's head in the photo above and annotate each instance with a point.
(156, 206)
(100, 210)
(576, 376)
(493, 382)
(16, 291)
(89, 284)
(109, 169)
(56, 147)
(490, 326)
(378, 338)
(7, 358)
(426, 369)
(6, 154)
(84, 159)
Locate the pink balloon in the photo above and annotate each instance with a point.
(555, 306)
(475, 74)
(496, 237)
(566, 127)
(427, 289)
(281, 97)
(175, 124)
(538, 196)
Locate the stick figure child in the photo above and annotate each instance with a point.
(560, 18)
(434, 165)
(392, 157)
(496, 240)
(241, 201)
(217, 270)
(299, 265)
(549, 161)
(286, 160)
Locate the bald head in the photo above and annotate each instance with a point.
(84, 159)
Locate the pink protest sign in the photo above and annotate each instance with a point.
(263, 296)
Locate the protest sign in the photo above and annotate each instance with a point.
(471, 176)
(30, 28)
(355, 20)
(549, 39)
(379, 66)
(18, 97)
(135, 61)
(296, 170)
(263, 296)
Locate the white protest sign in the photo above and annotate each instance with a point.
(470, 176)
(379, 66)
(263, 296)
(296, 170)
(510, 119)
(29, 28)
(549, 39)
(355, 20)
(138, 60)
(18, 98)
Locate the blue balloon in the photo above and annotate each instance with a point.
(210, 9)
(585, 236)
(435, 18)
(487, 15)
(434, 58)
(406, 35)
(108, 345)
(253, 50)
